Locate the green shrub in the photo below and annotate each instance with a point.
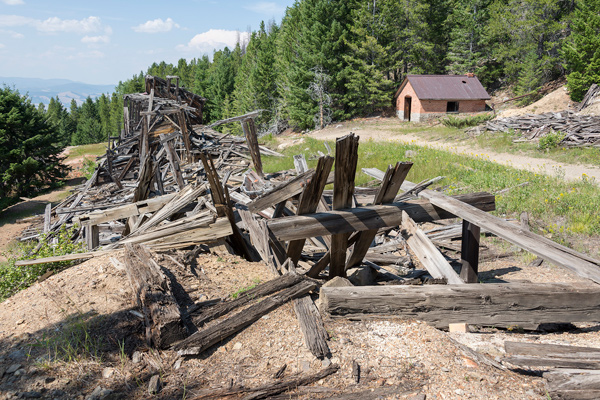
(14, 278)
(551, 140)
(464, 122)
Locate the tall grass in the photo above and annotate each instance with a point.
(559, 207)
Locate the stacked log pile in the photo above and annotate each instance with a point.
(579, 130)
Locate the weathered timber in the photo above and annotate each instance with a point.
(579, 263)
(264, 289)
(311, 325)
(152, 290)
(249, 129)
(281, 192)
(390, 185)
(205, 338)
(47, 216)
(369, 217)
(173, 161)
(267, 391)
(309, 200)
(573, 384)
(346, 159)
(429, 255)
(67, 257)
(92, 236)
(552, 355)
(470, 252)
(244, 117)
(522, 304)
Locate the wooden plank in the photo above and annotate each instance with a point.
(300, 163)
(560, 255)
(470, 252)
(152, 290)
(47, 216)
(205, 338)
(311, 325)
(552, 355)
(244, 117)
(66, 257)
(249, 129)
(281, 192)
(368, 217)
(390, 185)
(429, 255)
(496, 304)
(346, 159)
(573, 384)
(173, 161)
(92, 236)
(309, 200)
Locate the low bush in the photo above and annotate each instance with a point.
(551, 140)
(467, 121)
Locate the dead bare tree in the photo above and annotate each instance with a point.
(318, 91)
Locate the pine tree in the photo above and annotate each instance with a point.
(582, 49)
(29, 147)
(89, 127)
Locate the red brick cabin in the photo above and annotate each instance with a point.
(421, 97)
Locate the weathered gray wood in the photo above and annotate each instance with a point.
(125, 211)
(309, 200)
(264, 289)
(552, 355)
(429, 255)
(92, 236)
(281, 192)
(495, 304)
(574, 384)
(390, 185)
(346, 159)
(368, 217)
(470, 252)
(47, 216)
(173, 161)
(152, 291)
(311, 325)
(67, 257)
(300, 163)
(249, 129)
(579, 263)
(205, 338)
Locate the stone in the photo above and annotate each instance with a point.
(154, 385)
(325, 363)
(362, 276)
(49, 379)
(338, 281)
(237, 346)
(136, 357)
(2, 372)
(13, 368)
(32, 395)
(16, 355)
(419, 396)
(458, 327)
(108, 372)
(19, 372)
(99, 393)
(178, 363)
(305, 366)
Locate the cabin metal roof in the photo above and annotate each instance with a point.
(445, 87)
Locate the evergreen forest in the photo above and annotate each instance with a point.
(330, 60)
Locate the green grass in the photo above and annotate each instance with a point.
(243, 290)
(96, 149)
(558, 208)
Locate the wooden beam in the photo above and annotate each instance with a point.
(346, 159)
(92, 236)
(252, 114)
(249, 129)
(551, 355)
(497, 304)
(368, 217)
(573, 384)
(281, 192)
(470, 252)
(309, 200)
(429, 255)
(388, 190)
(173, 161)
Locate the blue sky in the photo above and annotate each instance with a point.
(103, 42)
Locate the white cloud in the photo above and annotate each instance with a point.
(214, 39)
(12, 34)
(95, 39)
(156, 26)
(13, 2)
(266, 7)
(56, 25)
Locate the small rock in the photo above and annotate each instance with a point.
(2, 372)
(20, 322)
(19, 372)
(419, 396)
(13, 368)
(305, 365)
(326, 362)
(362, 276)
(154, 385)
(58, 393)
(444, 369)
(32, 395)
(108, 372)
(99, 393)
(178, 363)
(237, 346)
(16, 355)
(339, 126)
(459, 392)
(49, 379)
(136, 357)
(338, 281)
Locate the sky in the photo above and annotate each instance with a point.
(107, 41)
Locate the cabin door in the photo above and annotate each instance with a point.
(407, 107)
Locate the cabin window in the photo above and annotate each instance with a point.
(452, 106)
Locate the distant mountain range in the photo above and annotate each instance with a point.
(41, 90)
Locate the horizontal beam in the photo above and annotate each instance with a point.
(370, 217)
(497, 304)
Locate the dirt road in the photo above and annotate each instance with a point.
(386, 130)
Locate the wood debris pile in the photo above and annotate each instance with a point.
(169, 182)
(579, 130)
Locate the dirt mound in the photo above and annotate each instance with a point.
(557, 100)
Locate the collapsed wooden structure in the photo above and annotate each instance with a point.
(169, 182)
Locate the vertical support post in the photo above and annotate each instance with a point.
(470, 252)
(173, 160)
(144, 143)
(186, 135)
(346, 159)
(92, 236)
(47, 215)
(252, 140)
